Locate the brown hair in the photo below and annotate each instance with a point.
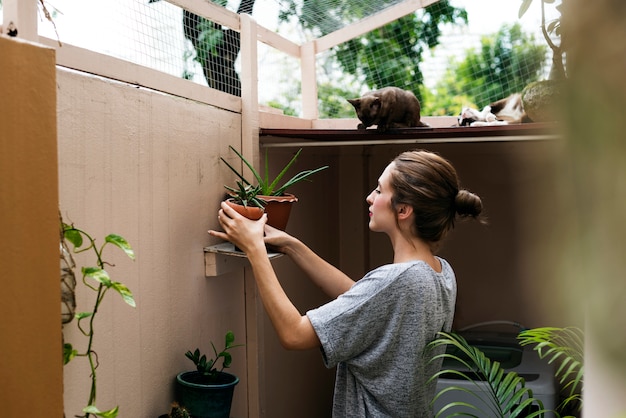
(429, 184)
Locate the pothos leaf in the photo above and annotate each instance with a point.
(73, 236)
(81, 315)
(92, 409)
(98, 275)
(124, 292)
(121, 243)
(68, 353)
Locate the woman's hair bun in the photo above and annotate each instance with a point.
(468, 204)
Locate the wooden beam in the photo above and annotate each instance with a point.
(370, 23)
(103, 65)
(278, 42)
(210, 11)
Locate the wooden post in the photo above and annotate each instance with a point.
(309, 81)
(30, 302)
(250, 150)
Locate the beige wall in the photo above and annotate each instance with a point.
(146, 166)
(30, 309)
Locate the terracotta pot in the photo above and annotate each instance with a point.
(278, 209)
(250, 212)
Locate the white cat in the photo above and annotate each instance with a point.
(501, 112)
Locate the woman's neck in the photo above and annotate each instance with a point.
(413, 249)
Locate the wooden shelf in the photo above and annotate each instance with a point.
(223, 258)
(275, 138)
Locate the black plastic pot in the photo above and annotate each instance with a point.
(206, 400)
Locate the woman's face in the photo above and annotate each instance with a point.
(382, 216)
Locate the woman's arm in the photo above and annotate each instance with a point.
(294, 330)
(327, 277)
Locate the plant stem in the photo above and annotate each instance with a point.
(90, 353)
(93, 365)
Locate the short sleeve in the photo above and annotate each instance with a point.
(349, 324)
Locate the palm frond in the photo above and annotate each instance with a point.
(507, 394)
(562, 346)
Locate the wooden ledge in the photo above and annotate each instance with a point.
(223, 258)
(277, 137)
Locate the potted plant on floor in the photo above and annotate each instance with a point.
(207, 392)
(276, 201)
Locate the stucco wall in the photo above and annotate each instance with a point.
(146, 166)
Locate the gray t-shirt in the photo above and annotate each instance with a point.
(376, 334)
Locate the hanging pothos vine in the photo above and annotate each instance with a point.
(97, 279)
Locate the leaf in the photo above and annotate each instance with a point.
(73, 236)
(121, 243)
(81, 315)
(98, 274)
(125, 292)
(228, 359)
(111, 413)
(524, 7)
(507, 393)
(552, 26)
(68, 353)
(230, 339)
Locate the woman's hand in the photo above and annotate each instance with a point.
(244, 233)
(277, 239)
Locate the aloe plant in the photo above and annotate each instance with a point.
(562, 346)
(246, 194)
(267, 186)
(507, 396)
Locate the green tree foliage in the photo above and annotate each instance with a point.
(387, 56)
(505, 63)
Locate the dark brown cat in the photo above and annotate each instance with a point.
(389, 107)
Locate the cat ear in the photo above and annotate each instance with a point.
(355, 102)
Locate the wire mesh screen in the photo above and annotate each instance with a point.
(452, 54)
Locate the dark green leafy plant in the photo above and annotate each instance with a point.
(270, 187)
(562, 346)
(209, 367)
(97, 279)
(507, 396)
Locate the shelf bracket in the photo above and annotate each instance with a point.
(223, 258)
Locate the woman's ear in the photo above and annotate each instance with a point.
(404, 211)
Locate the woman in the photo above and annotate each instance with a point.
(375, 330)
